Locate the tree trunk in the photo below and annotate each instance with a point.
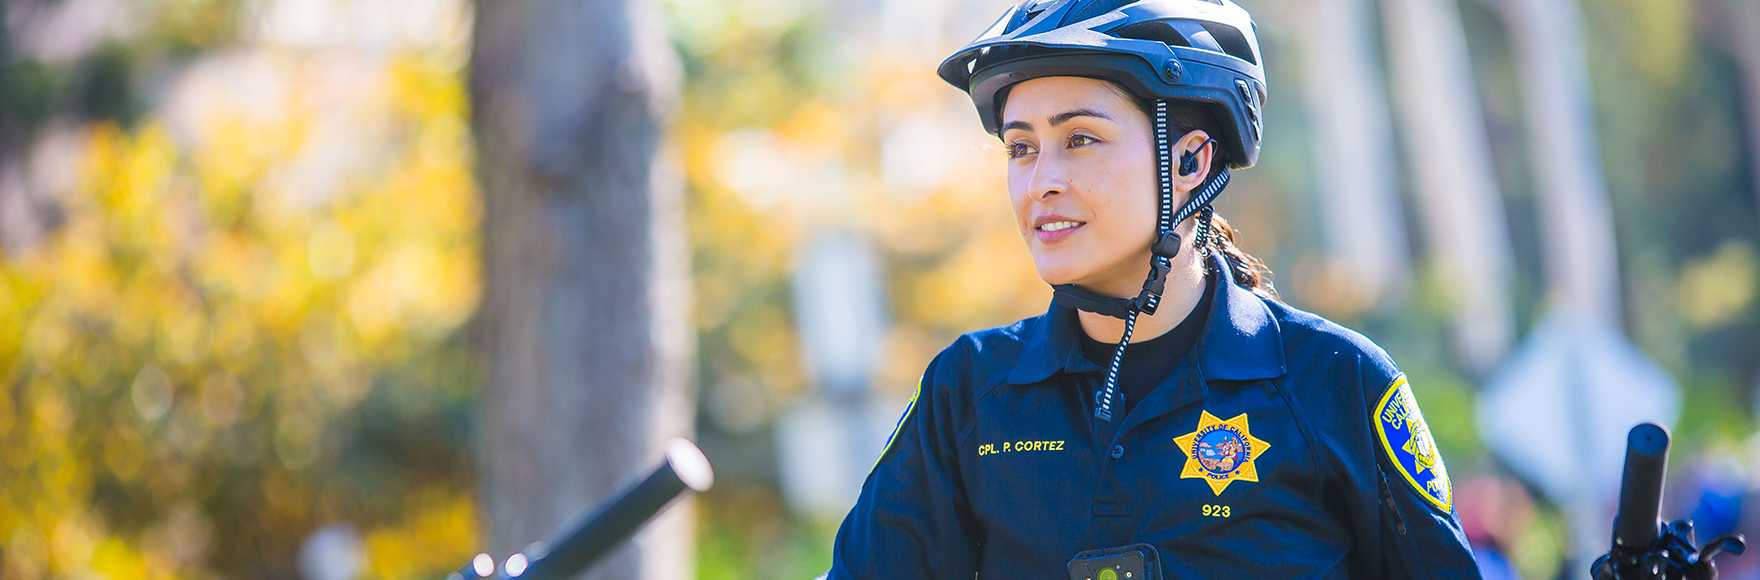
(1744, 17)
(585, 333)
(1451, 166)
(1352, 138)
(1578, 243)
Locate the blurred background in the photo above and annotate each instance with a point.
(338, 289)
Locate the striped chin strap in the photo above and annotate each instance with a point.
(1166, 246)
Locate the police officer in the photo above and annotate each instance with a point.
(1237, 437)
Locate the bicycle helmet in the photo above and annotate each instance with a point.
(1203, 52)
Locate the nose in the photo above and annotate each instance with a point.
(1050, 176)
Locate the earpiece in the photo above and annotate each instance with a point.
(1188, 161)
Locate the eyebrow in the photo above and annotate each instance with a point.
(1059, 119)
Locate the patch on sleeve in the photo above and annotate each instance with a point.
(900, 426)
(1406, 439)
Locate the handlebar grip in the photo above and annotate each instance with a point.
(576, 547)
(1639, 520)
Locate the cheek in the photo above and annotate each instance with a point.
(1127, 202)
(1018, 200)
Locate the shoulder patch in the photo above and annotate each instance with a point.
(900, 426)
(1406, 439)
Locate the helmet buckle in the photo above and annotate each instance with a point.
(1153, 287)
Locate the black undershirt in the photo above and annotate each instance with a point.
(1146, 363)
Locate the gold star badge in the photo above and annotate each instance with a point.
(1220, 452)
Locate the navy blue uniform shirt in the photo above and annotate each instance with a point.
(1281, 446)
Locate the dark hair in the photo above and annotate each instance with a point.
(1248, 271)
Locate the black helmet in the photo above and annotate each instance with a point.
(1198, 51)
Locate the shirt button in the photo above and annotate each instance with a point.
(1117, 451)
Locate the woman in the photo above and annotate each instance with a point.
(1237, 437)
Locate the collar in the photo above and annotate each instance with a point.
(1240, 342)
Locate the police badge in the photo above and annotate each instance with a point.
(1221, 452)
(1406, 438)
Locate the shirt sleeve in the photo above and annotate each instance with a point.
(1420, 534)
(912, 519)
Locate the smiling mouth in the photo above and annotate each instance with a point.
(1058, 226)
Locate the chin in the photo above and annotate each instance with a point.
(1057, 272)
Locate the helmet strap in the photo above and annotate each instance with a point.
(1163, 250)
(1205, 236)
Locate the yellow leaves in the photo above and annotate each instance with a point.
(122, 453)
(227, 162)
(183, 326)
(1717, 289)
(904, 85)
(71, 543)
(221, 400)
(452, 297)
(297, 436)
(284, 306)
(330, 251)
(180, 540)
(1660, 31)
(822, 126)
(763, 340)
(987, 281)
(20, 455)
(428, 91)
(135, 192)
(441, 527)
(763, 171)
(27, 553)
(8, 413)
(151, 393)
(127, 173)
(409, 273)
(80, 275)
(50, 415)
(435, 183)
(412, 287)
(116, 560)
(214, 305)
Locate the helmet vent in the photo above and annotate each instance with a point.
(1232, 41)
(1222, 37)
(1091, 8)
(1156, 30)
(1022, 16)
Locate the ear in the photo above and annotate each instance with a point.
(1192, 146)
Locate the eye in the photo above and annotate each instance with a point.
(1081, 141)
(1018, 149)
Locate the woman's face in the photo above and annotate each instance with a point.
(1081, 180)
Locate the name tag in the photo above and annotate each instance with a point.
(1018, 447)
